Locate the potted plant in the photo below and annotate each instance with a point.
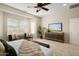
(40, 32)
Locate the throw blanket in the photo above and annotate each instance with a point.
(9, 50)
(29, 48)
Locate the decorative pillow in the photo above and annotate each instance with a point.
(2, 49)
(43, 44)
(9, 50)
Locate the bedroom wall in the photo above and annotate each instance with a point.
(7, 12)
(57, 19)
(63, 18)
(1, 25)
(35, 23)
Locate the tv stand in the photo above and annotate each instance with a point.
(55, 36)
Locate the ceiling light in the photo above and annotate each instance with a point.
(64, 4)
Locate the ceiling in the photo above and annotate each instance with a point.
(53, 8)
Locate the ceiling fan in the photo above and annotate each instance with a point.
(40, 6)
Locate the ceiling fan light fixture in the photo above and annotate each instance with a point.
(65, 4)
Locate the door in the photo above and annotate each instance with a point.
(74, 31)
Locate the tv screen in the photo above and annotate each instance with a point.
(55, 26)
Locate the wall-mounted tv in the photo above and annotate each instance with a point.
(55, 27)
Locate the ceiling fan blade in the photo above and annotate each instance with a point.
(45, 8)
(44, 4)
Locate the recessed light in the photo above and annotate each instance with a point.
(64, 4)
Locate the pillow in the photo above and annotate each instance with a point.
(8, 49)
(2, 49)
(43, 44)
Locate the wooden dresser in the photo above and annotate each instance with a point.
(55, 36)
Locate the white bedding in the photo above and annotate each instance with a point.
(16, 44)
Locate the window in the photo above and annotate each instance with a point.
(17, 26)
(33, 27)
(12, 26)
(24, 26)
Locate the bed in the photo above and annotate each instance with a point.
(56, 48)
(25, 48)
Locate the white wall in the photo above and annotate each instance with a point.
(1, 25)
(63, 18)
(54, 19)
(36, 22)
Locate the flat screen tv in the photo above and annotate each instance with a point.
(55, 27)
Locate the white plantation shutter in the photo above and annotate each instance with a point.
(17, 26)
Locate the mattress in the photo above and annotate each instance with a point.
(16, 45)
